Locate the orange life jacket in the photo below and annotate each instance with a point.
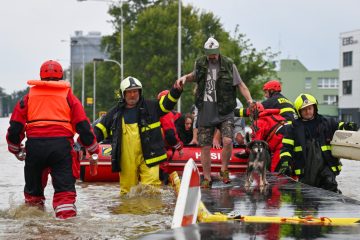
(48, 104)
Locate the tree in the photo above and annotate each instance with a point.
(150, 47)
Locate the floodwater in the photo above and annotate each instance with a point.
(102, 214)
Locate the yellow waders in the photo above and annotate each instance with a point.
(133, 167)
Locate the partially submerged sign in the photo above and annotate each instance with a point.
(189, 196)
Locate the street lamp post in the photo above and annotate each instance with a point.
(179, 51)
(74, 42)
(71, 64)
(109, 60)
(83, 76)
(122, 41)
(94, 87)
(94, 92)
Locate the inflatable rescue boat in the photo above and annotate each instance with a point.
(175, 162)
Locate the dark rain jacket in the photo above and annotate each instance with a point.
(294, 149)
(149, 113)
(278, 101)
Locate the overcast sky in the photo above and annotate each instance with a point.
(33, 31)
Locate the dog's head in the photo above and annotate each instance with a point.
(258, 146)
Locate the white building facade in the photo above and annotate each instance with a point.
(349, 76)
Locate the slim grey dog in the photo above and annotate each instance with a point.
(259, 159)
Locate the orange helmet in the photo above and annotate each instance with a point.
(51, 70)
(162, 93)
(274, 85)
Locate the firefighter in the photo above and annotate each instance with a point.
(137, 144)
(275, 100)
(306, 145)
(169, 129)
(50, 115)
(267, 125)
(170, 137)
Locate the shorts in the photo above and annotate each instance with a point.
(205, 134)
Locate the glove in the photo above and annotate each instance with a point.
(253, 111)
(351, 126)
(179, 146)
(285, 168)
(93, 149)
(21, 155)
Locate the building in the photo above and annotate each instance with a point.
(84, 48)
(323, 85)
(349, 76)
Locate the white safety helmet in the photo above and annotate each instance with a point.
(129, 83)
(212, 46)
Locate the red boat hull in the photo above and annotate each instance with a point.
(175, 163)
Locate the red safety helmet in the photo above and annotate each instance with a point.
(162, 93)
(51, 70)
(274, 85)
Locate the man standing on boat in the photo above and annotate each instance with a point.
(50, 115)
(306, 145)
(217, 79)
(137, 144)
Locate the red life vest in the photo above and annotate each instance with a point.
(48, 104)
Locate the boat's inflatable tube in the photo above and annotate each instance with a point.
(175, 162)
(104, 173)
(346, 144)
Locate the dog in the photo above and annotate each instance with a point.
(259, 160)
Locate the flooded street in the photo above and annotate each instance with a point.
(102, 214)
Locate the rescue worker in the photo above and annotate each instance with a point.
(275, 100)
(170, 136)
(168, 127)
(266, 126)
(306, 145)
(50, 115)
(217, 79)
(137, 144)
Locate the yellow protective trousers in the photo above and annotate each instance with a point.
(133, 167)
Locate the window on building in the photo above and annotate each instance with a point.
(347, 87)
(347, 59)
(346, 118)
(330, 100)
(308, 83)
(328, 83)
